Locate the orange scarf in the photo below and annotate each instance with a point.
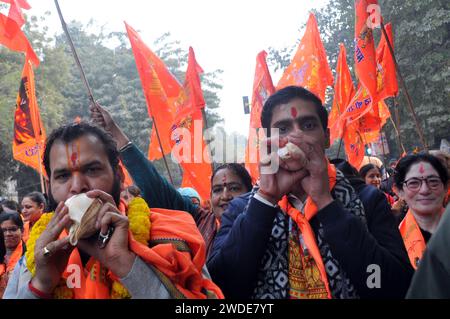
(412, 238)
(14, 258)
(306, 230)
(181, 267)
(26, 231)
(6, 270)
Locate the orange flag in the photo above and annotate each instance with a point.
(365, 58)
(15, 10)
(255, 136)
(127, 181)
(29, 133)
(262, 89)
(161, 89)
(365, 65)
(192, 85)
(309, 67)
(354, 144)
(14, 39)
(188, 146)
(344, 90)
(386, 75)
(373, 120)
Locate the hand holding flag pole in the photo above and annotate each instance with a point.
(75, 55)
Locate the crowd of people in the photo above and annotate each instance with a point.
(313, 229)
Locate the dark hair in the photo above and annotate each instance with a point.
(133, 190)
(286, 95)
(72, 131)
(366, 168)
(406, 162)
(14, 217)
(37, 197)
(239, 170)
(2, 248)
(349, 171)
(11, 204)
(345, 167)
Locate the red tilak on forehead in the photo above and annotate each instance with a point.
(294, 112)
(421, 169)
(73, 158)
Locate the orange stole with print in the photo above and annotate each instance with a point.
(412, 238)
(307, 274)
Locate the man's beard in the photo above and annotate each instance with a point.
(115, 193)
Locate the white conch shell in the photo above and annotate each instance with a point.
(83, 212)
(290, 150)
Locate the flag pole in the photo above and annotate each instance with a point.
(74, 52)
(205, 127)
(162, 150)
(396, 126)
(41, 177)
(382, 146)
(341, 140)
(402, 83)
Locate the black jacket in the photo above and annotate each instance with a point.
(241, 243)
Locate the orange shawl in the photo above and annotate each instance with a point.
(176, 250)
(412, 238)
(5, 270)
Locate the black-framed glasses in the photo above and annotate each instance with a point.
(415, 183)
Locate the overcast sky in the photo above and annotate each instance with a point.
(226, 34)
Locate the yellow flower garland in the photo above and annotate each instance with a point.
(138, 215)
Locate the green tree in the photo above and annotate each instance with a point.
(112, 75)
(421, 40)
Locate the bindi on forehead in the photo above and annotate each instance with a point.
(421, 168)
(294, 112)
(73, 155)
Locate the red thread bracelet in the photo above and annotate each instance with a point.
(38, 293)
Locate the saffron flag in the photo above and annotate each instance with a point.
(365, 57)
(386, 75)
(372, 122)
(161, 89)
(29, 133)
(262, 89)
(192, 85)
(344, 90)
(365, 65)
(354, 144)
(12, 37)
(15, 10)
(309, 67)
(252, 150)
(188, 146)
(127, 181)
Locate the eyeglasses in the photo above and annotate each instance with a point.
(11, 230)
(414, 183)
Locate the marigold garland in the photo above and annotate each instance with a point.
(138, 215)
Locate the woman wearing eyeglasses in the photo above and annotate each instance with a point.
(422, 182)
(12, 228)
